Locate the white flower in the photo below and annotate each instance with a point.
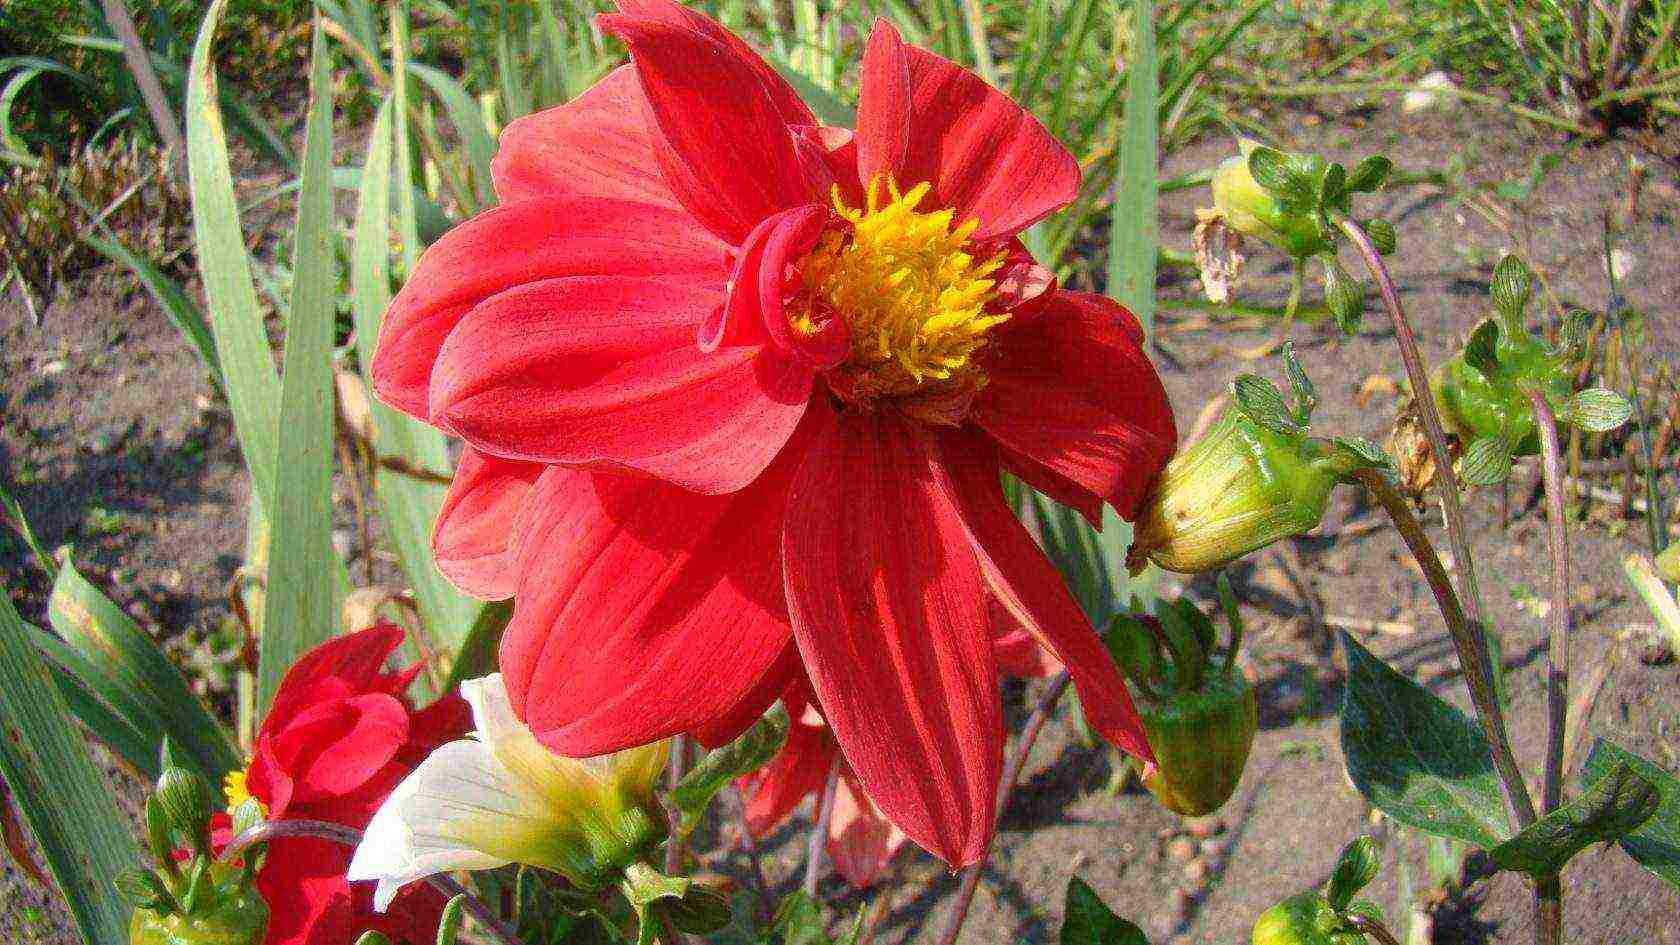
(500, 797)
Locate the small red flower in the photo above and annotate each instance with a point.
(737, 389)
(338, 739)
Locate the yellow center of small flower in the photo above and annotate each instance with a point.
(915, 299)
(237, 792)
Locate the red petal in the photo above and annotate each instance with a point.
(350, 664)
(333, 748)
(798, 771)
(518, 243)
(756, 312)
(888, 608)
(752, 706)
(606, 371)
(310, 903)
(861, 840)
(924, 118)
(725, 141)
(1072, 391)
(1031, 589)
(644, 609)
(474, 536)
(789, 105)
(596, 145)
(1018, 652)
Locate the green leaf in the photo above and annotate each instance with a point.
(477, 654)
(1355, 869)
(1486, 461)
(1300, 385)
(1382, 235)
(1416, 758)
(1087, 920)
(1482, 350)
(1330, 188)
(68, 805)
(120, 663)
(1081, 555)
(468, 120)
(1598, 410)
(1617, 802)
(1364, 453)
(1133, 235)
(799, 921)
(740, 757)
(1344, 296)
(253, 386)
(1261, 401)
(1277, 173)
(1511, 288)
(410, 505)
(302, 604)
(1368, 175)
(179, 309)
(1656, 844)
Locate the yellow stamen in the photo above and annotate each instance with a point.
(913, 297)
(237, 792)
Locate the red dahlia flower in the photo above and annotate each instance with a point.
(339, 738)
(737, 389)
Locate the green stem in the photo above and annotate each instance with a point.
(1548, 891)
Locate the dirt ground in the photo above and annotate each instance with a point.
(111, 439)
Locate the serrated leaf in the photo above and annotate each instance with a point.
(1300, 385)
(1087, 920)
(1365, 452)
(740, 757)
(1599, 410)
(1655, 845)
(1382, 235)
(1369, 174)
(1512, 286)
(1486, 461)
(1344, 296)
(1617, 803)
(1355, 869)
(1276, 172)
(1416, 758)
(1482, 350)
(1261, 401)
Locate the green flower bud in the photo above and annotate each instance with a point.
(1303, 919)
(224, 910)
(1238, 489)
(1201, 741)
(186, 803)
(1252, 210)
(1482, 389)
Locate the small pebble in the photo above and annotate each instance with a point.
(1181, 850)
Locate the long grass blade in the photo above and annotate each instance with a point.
(302, 606)
(180, 310)
(469, 123)
(64, 799)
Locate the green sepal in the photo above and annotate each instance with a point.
(1481, 351)
(1300, 386)
(1087, 920)
(1368, 175)
(743, 756)
(1355, 869)
(1281, 175)
(144, 889)
(1261, 401)
(1344, 295)
(1597, 410)
(1486, 461)
(1512, 286)
(1382, 235)
(449, 923)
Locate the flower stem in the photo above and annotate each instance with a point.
(1369, 926)
(1472, 651)
(1548, 890)
(819, 830)
(761, 888)
(677, 765)
(350, 837)
(1012, 771)
(1470, 635)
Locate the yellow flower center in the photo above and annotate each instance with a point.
(914, 298)
(237, 792)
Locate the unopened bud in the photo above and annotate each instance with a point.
(1303, 919)
(1252, 210)
(187, 803)
(221, 907)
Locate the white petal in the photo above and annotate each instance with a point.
(569, 783)
(457, 810)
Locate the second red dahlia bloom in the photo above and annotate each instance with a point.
(737, 389)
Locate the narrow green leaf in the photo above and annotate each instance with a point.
(302, 605)
(68, 805)
(468, 120)
(410, 505)
(1133, 235)
(476, 655)
(1355, 869)
(1616, 803)
(740, 757)
(408, 225)
(133, 673)
(179, 309)
(113, 730)
(1486, 461)
(1087, 920)
(1261, 401)
(1656, 844)
(1416, 758)
(1599, 410)
(253, 388)
(1300, 385)
(825, 104)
